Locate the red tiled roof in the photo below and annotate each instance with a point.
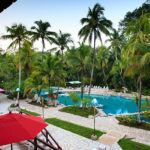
(5, 3)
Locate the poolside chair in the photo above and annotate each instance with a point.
(39, 100)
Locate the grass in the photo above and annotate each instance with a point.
(30, 112)
(80, 130)
(131, 122)
(130, 145)
(37, 104)
(79, 111)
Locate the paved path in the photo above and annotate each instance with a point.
(106, 124)
(71, 141)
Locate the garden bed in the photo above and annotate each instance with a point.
(129, 121)
(30, 112)
(84, 112)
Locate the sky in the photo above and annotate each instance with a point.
(63, 15)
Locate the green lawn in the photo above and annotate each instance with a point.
(130, 145)
(35, 103)
(80, 130)
(30, 112)
(79, 111)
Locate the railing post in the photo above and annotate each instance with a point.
(46, 137)
(35, 143)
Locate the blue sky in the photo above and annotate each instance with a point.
(63, 15)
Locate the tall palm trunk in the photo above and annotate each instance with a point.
(82, 84)
(58, 88)
(140, 97)
(19, 70)
(43, 45)
(93, 63)
(105, 77)
(49, 81)
(19, 65)
(62, 50)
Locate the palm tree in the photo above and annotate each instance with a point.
(28, 58)
(94, 24)
(18, 33)
(50, 69)
(62, 40)
(41, 31)
(33, 82)
(138, 50)
(79, 58)
(103, 59)
(115, 43)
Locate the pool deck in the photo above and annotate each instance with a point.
(104, 92)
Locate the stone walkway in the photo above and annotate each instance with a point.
(70, 141)
(106, 124)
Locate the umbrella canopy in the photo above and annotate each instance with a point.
(2, 90)
(19, 127)
(75, 82)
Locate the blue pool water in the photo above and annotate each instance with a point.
(111, 104)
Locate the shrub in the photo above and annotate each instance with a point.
(12, 95)
(13, 105)
(146, 92)
(118, 90)
(132, 122)
(74, 99)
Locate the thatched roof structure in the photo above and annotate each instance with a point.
(5, 3)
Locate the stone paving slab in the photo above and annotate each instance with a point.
(116, 134)
(108, 140)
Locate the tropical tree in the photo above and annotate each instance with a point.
(8, 72)
(18, 33)
(74, 99)
(33, 82)
(28, 58)
(41, 31)
(79, 58)
(138, 50)
(62, 40)
(135, 14)
(50, 70)
(94, 24)
(102, 61)
(115, 43)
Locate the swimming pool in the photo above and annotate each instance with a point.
(111, 104)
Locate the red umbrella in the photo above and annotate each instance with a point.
(19, 127)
